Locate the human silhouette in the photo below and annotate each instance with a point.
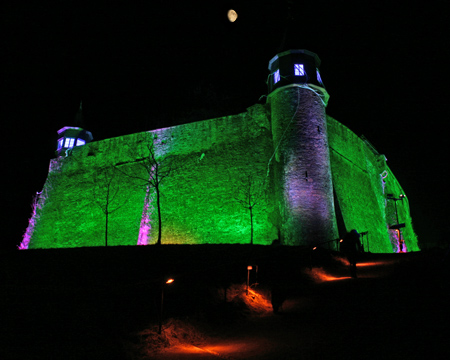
(351, 247)
(278, 297)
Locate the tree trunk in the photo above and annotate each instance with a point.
(106, 229)
(251, 225)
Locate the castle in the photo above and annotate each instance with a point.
(281, 171)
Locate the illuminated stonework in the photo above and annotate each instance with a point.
(315, 178)
(302, 166)
(145, 228)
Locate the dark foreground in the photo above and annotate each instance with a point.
(105, 305)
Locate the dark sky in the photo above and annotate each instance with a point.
(150, 64)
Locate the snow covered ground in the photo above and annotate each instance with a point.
(397, 308)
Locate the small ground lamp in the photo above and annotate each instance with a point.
(311, 257)
(249, 268)
(168, 281)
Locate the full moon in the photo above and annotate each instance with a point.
(232, 15)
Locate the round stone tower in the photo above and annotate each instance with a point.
(297, 101)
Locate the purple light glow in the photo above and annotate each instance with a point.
(397, 243)
(67, 128)
(145, 227)
(31, 224)
(383, 176)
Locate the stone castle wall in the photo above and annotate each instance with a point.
(362, 180)
(214, 160)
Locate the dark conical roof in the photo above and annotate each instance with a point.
(79, 120)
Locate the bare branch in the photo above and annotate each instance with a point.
(154, 170)
(249, 193)
(105, 191)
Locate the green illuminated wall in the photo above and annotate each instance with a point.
(197, 200)
(358, 172)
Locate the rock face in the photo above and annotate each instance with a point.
(284, 170)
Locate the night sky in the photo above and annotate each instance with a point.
(142, 65)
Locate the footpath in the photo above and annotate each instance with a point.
(397, 308)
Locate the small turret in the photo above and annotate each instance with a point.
(70, 136)
(296, 67)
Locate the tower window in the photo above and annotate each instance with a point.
(276, 76)
(69, 142)
(299, 70)
(60, 143)
(319, 79)
(80, 142)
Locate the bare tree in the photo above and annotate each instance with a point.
(151, 171)
(105, 191)
(248, 194)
